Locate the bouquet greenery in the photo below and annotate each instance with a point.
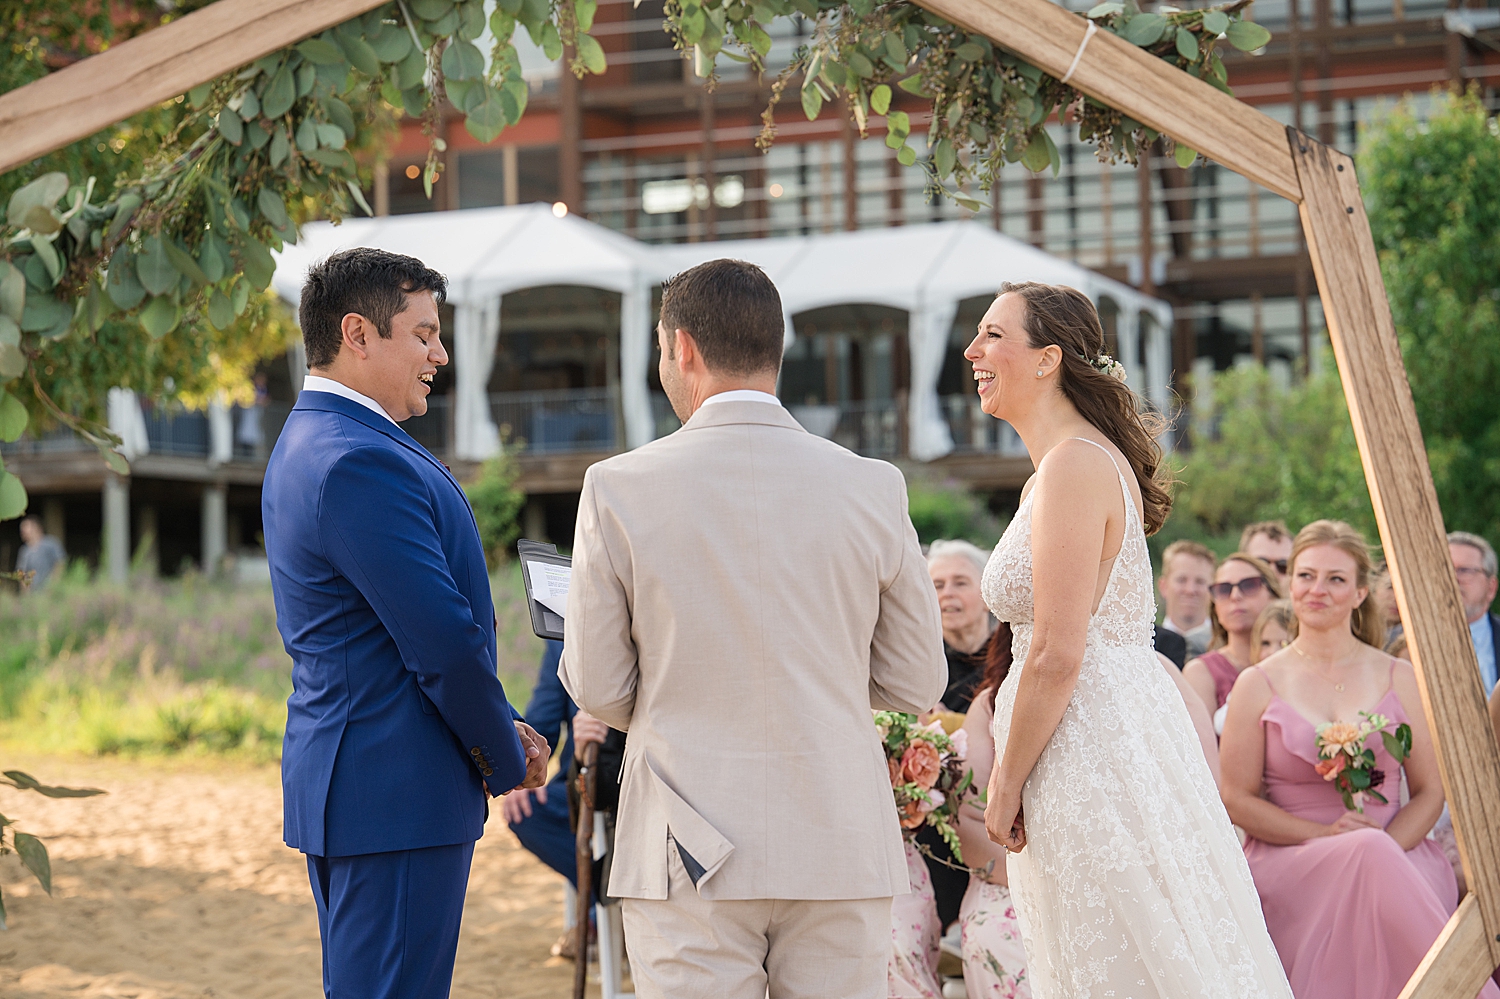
(927, 774)
(1351, 766)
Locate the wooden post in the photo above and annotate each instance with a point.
(570, 124)
(96, 92)
(1416, 547)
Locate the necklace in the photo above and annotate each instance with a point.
(1338, 687)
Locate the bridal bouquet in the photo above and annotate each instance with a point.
(1351, 766)
(927, 773)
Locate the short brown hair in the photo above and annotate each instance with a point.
(1276, 530)
(733, 312)
(1185, 547)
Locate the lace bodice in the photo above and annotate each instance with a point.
(1127, 610)
(1132, 883)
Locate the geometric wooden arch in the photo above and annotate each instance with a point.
(167, 61)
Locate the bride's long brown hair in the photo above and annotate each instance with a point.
(1064, 316)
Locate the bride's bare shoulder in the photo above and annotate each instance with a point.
(1072, 465)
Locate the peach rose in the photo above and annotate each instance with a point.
(912, 815)
(894, 766)
(921, 763)
(1329, 769)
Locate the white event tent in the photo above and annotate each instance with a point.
(926, 270)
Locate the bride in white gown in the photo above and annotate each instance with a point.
(1127, 876)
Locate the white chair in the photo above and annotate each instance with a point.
(611, 927)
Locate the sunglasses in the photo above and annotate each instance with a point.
(1247, 587)
(1279, 565)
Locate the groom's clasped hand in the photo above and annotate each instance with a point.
(538, 754)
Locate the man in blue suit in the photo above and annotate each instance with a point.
(397, 728)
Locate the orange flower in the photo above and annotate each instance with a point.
(912, 815)
(1329, 769)
(921, 763)
(894, 767)
(1339, 737)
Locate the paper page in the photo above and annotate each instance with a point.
(549, 585)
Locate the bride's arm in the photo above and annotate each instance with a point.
(1075, 496)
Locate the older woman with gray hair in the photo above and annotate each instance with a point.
(956, 568)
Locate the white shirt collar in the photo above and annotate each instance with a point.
(317, 383)
(741, 395)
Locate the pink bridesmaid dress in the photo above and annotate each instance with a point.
(1351, 915)
(911, 972)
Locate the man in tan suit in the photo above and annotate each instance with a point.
(743, 594)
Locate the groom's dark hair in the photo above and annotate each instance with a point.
(366, 281)
(733, 312)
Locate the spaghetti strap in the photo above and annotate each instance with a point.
(1265, 675)
(1100, 447)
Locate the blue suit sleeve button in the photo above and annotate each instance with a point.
(474, 751)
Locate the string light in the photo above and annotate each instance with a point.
(559, 209)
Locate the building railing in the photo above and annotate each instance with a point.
(434, 429)
(561, 421)
(875, 429)
(975, 430)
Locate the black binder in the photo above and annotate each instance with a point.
(546, 622)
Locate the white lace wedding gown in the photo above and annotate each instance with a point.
(1132, 883)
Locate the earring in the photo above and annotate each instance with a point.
(1039, 372)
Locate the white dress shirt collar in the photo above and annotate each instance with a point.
(742, 395)
(317, 383)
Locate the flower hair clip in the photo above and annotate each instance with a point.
(1107, 365)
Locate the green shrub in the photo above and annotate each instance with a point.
(496, 502)
(945, 509)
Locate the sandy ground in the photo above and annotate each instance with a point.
(176, 884)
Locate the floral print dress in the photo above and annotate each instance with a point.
(912, 969)
(994, 957)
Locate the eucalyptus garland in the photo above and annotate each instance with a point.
(191, 239)
(989, 106)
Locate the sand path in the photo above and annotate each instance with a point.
(176, 885)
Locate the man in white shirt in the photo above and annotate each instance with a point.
(1187, 568)
(1475, 565)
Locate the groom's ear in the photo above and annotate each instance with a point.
(353, 330)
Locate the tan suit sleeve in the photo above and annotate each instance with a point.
(908, 671)
(599, 666)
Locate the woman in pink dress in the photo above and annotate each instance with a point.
(1353, 900)
(911, 971)
(1243, 585)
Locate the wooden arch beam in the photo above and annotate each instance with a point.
(157, 66)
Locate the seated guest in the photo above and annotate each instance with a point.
(1384, 596)
(1169, 644)
(1187, 569)
(1475, 565)
(1273, 631)
(539, 817)
(956, 568)
(911, 972)
(1353, 899)
(1243, 586)
(1271, 542)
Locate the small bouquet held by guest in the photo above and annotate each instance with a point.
(927, 774)
(1351, 766)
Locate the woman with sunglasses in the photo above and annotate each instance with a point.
(1243, 585)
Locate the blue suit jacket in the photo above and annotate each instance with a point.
(383, 601)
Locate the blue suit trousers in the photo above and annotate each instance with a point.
(389, 921)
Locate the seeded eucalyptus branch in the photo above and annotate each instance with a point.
(989, 106)
(189, 240)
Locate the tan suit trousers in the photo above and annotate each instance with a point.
(687, 947)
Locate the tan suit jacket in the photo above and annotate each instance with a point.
(743, 593)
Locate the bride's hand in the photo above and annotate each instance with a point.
(1003, 820)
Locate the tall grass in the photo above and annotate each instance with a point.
(173, 666)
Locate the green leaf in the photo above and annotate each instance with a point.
(812, 101)
(239, 295)
(199, 95)
(12, 497)
(1247, 36)
(331, 136)
(231, 127)
(412, 70)
(392, 43)
(944, 158)
(154, 267)
(592, 54)
(121, 283)
(42, 192)
(96, 307)
(1036, 158)
(257, 264)
(220, 310)
(1215, 22)
(880, 99)
(337, 159)
(48, 256)
(1187, 44)
(1185, 156)
(463, 61)
(34, 856)
(43, 312)
(551, 42)
(895, 50)
(12, 364)
(1105, 9)
(12, 291)
(10, 332)
(160, 317)
(42, 220)
(281, 147)
(471, 19)
(280, 93)
(969, 203)
(970, 52)
(307, 135)
(249, 108)
(184, 262)
(125, 209)
(273, 208)
(359, 197)
(340, 115)
(584, 11)
(1145, 29)
(487, 120)
(12, 417)
(862, 67)
(432, 10)
(321, 51)
(362, 55)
